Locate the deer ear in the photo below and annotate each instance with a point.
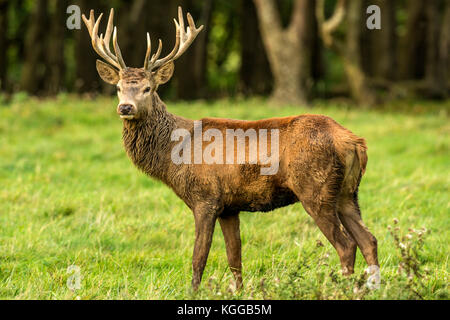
(107, 73)
(164, 73)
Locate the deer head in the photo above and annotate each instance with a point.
(136, 86)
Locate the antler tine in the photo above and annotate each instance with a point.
(117, 50)
(89, 22)
(110, 27)
(157, 54)
(149, 50)
(184, 39)
(174, 51)
(109, 30)
(181, 19)
(101, 44)
(188, 36)
(97, 43)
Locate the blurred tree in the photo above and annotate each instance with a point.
(349, 48)
(4, 44)
(288, 49)
(444, 50)
(34, 72)
(132, 20)
(254, 74)
(86, 77)
(55, 48)
(190, 77)
(380, 45)
(352, 54)
(437, 48)
(253, 47)
(412, 52)
(17, 29)
(385, 41)
(222, 72)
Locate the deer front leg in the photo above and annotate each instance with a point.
(205, 220)
(232, 236)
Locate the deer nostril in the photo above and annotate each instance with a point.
(125, 109)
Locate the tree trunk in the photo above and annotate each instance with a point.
(55, 48)
(356, 76)
(287, 74)
(4, 44)
(288, 50)
(34, 67)
(383, 50)
(435, 62)
(412, 54)
(444, 50)
(303, 20)
(16, 41)
(132, 31)
(255, 76)
(317, 58)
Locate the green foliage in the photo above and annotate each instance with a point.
(70, 197)
(223, 50)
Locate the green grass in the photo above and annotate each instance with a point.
(70, 196)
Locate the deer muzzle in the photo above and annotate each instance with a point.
(126, 110)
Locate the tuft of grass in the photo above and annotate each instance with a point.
(70, 197)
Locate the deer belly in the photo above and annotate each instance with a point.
(259, 200)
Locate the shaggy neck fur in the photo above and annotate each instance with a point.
(147, 140)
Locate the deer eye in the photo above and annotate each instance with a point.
(147, 90)
(118, 89)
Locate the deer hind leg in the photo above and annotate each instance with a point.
(328, 222)
(350, 216)
(232, 236)
(322, 207)
(352, 251)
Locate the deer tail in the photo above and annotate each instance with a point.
(353, 153)
(361, 152)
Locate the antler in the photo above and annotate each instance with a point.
(101, 44)
(184, 39)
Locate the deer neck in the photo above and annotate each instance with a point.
(147, 140)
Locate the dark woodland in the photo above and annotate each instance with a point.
(293, 51)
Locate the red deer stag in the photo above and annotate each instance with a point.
(320, 162)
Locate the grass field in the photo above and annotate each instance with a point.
(70, 196)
